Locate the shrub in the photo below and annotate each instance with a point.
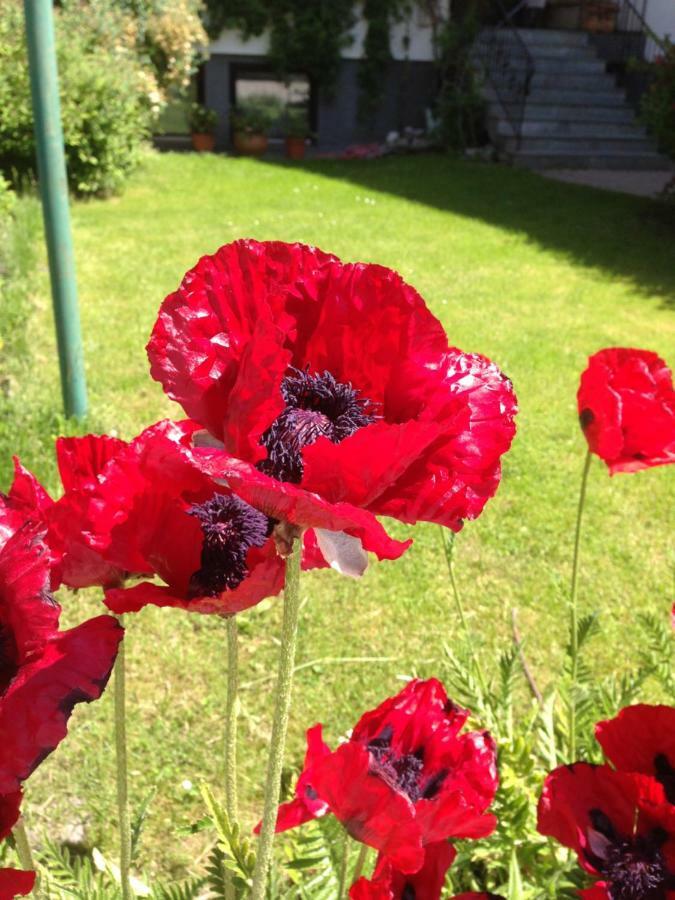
(658, 104)
(256, 114)
(460, 109)
(107, 98)
(202, 120)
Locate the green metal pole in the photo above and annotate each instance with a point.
(54, 193)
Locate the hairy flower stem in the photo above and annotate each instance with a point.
(449, 547)
(360, 863)
(22, 843)
(122, 778)
(289, 633)
(231, 711)
(344, 862)
(574, 614)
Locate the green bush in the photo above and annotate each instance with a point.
(107, 98)
(256, 114)
(658, 104)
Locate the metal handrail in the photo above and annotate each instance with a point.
(508, 65)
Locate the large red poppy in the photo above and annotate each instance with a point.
(81, 462)
(43, 672)
(325, 384)
(389, 884)
(15, 883)
(154, 513)
(626, 405)
(619, 824)
(641, 738)
(405, 779)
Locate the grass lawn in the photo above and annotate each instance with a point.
(535, 274)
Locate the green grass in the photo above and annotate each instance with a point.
(533, 273)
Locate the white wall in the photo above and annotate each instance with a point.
(660, 16)
(416, 29)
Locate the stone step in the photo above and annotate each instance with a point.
(597, 81)
(545, 52)
(563, 69)
(589, 146)
(574, 130)
(539, 37)
(563, 96)
(652, 162)
(542, 112)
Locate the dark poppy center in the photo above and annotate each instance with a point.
(408, 892)
(665, 775)
(635, 871)
(9, 664)
(316, 406)
(230, 528)
(403, 772)
(634, 868)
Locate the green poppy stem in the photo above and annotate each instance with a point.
(122, 769)
(22, 843)
(231, 712)
(289, 633)
(360, 863)
(449, 538)
(344, 862)
(574, 613)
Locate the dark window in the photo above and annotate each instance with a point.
(250, 79)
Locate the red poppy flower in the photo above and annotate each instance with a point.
(15, 883)
(329, 386)
(43, 672)
(620, 826)
(627, 409)
(10, 807)
(81, 462)
(389, 884)
(405, 779)
(153, 512)
(642, 739)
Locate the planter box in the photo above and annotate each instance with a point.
(249, 144)
(203, 142)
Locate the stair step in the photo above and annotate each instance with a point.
(541, 112)
(548, 53)
(597, 81)
(539, 37)
(570, 130)
(652, 162)
(590, 146)
(563, 69)
(562, 96)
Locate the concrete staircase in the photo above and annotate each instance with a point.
(575, 116)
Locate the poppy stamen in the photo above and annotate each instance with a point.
(230, 528)
(316, 406)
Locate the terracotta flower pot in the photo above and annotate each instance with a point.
(248, 144)
(295, 147)
(203, 142)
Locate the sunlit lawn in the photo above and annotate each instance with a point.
(533, 273)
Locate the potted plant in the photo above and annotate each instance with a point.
(296, 130)
(251, 120)
(203, 123)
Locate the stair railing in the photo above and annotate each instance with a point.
(508, 65)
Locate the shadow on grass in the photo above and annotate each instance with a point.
(630, 237)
